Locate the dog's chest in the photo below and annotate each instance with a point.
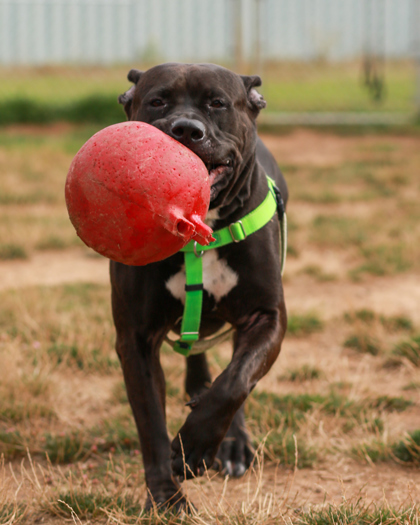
(218, 278)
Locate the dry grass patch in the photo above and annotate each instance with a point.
(35, 228)
(61, 386)
(374, 334)
(365, 207)
(403, 451)
(360, 512)
(33, 215)
(301, 325)
(62, 326)
(305, 372)
(48, 336)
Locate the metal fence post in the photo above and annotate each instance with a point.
(258, 39)
(237, 13)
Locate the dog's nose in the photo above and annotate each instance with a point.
(185, 130)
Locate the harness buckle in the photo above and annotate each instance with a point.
(195, 251)
(237, 228)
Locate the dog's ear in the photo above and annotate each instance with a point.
(126, 98)
(255, 100)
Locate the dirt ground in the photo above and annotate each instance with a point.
(334, 476)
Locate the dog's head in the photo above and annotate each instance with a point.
(209, 109)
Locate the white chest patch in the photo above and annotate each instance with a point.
(218, 278)
(211, 217)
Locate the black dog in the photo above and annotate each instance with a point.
(212, 111)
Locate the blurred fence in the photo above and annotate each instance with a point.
(110, 31)
(58, 51)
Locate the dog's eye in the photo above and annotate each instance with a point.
(157, 103)
(217, 103)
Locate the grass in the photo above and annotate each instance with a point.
(10, 252)
(301, 325)
(73, 356)
(404, 451)
(378, 334)
(12, 512)
(338, 231)
(112, 436)
(98, 109)
(358, 512)
(303, 373)
(364, 344)
(277, 418)
(33, 216)
(54, 242)
(384, 260)
(315, 271)
(65, 447)
(413, 385)
(14, 411)
(363, 208)
(61, 385)
(323, 87)
(391, 323)
(39, 346)
(94, 505)
(364, 315)
(80, 94)
(76, 496)
(396, 323)
(408, 450)
(409, 349)
(12, 443)
(48, 334)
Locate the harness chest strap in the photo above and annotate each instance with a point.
(235, 232)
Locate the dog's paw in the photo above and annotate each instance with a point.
(196, 445)
(167, 498)
(190, 459)
(235, 453)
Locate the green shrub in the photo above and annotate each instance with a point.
(101, 109)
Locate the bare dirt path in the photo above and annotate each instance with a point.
(51, 268)
(398, 294)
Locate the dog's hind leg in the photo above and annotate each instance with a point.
(198, 378)
(235, 453)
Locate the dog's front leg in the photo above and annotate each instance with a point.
(257, 346)
(145, 384)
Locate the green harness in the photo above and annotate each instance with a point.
(235, 232)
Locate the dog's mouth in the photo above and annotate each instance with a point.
(218, 175)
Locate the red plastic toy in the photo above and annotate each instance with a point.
(135, 195)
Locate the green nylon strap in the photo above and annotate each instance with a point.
(239, 230)
(235, 232)
(193, 303)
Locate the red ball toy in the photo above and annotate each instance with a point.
(137, 196)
